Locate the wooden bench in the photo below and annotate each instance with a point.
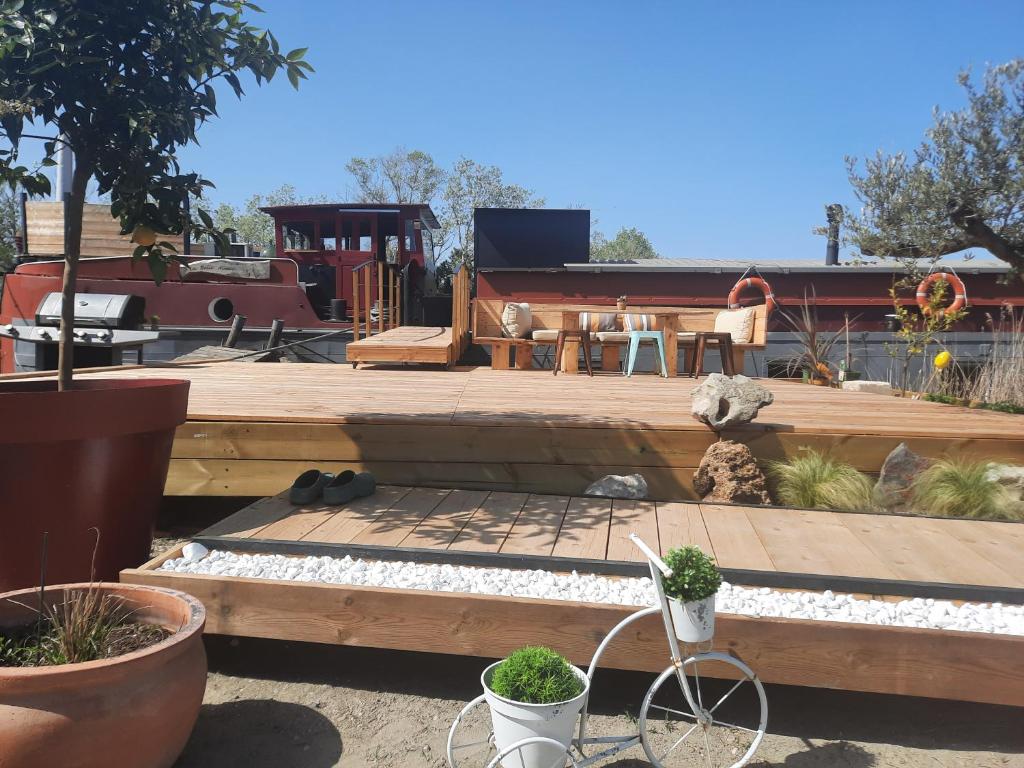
(487, 329)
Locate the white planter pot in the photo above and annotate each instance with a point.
(514, 721)
(694, 621)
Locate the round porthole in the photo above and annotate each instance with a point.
(221, 310)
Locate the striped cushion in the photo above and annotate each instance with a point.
(597, 321)
(637, 322)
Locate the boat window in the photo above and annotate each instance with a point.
(410, 236)
(298, 235)
(328, 244)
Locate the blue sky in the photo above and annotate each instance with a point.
(719, 129)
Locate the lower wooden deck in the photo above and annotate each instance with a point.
(881, 553)
(404, 344)
(252, 429)
(882, 556)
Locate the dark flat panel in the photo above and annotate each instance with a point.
(530, 237)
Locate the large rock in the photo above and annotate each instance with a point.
(1010, 477)
(722, 401)
(862, 385)
(728, 473)
(896, 479)
(619, 487)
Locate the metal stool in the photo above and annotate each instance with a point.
(636, 338)
(579, 334)
(721, 340)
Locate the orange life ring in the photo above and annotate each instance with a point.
(959, 293)
(752, 282)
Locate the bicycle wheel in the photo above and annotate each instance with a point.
(725, 728)
(471, 738)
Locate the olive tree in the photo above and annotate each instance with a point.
(124, 85)
(962, 188)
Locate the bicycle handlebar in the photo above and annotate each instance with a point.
(658, 562)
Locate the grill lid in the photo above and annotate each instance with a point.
(95, 310)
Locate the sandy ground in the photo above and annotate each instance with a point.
(272, 704)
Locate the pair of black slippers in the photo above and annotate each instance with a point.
(335, 489)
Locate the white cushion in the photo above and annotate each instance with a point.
(686, 335)
(614, 337)
(738, 323)
(516, 320)
(545, 334)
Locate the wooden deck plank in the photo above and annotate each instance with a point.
(441, 526)
(923, 552)
(802, 541)
(734, 540)
(356, 516)
(300, 523)
(584, 531)
(1001, 544)
(315, 393)
(639, 517)
(490, 523)
(253, 518)
(680, 525)
(537, 526)
(401, 518)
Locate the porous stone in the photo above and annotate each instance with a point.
(721, 401)
(874, 387)
(728, 473)
(1010, 477)
(896, 479)
(619, 487)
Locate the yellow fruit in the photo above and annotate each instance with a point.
(143, 235)
(943, 359)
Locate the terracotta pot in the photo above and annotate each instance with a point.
(133, 711)
(94, 456)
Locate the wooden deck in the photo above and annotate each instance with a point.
(405, 344)
(252, 429)
(898, 552)
(877, 555)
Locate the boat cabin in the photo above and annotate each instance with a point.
(330, 240)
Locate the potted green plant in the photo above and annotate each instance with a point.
(534, 693)
(815, 347)
(123, 86)
(95, 675)
(691, 593)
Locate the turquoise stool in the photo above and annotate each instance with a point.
(636, 338)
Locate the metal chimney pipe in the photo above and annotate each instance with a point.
(65, 168)
(834, 214)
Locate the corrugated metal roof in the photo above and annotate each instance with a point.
(967, 266)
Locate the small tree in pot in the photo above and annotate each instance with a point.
(534, 693)
(124, 85)
(691, 592)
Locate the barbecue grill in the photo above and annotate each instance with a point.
(106, 324)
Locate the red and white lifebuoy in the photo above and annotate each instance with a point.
(752, 282)
(959, 293)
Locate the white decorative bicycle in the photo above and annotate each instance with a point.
(707, 709)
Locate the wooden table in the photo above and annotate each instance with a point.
(667, 322)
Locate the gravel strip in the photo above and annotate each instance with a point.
(746, 601)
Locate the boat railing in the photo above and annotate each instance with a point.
(387, 278)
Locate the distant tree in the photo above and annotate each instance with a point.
(399, 177)
(124, 85)
(629, 245)
(252, 225)
(8, 227)
(405, 176)
(471, 185)
(962, 188)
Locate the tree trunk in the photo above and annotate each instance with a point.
(73, 209)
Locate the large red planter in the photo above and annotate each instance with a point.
(94, 456)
